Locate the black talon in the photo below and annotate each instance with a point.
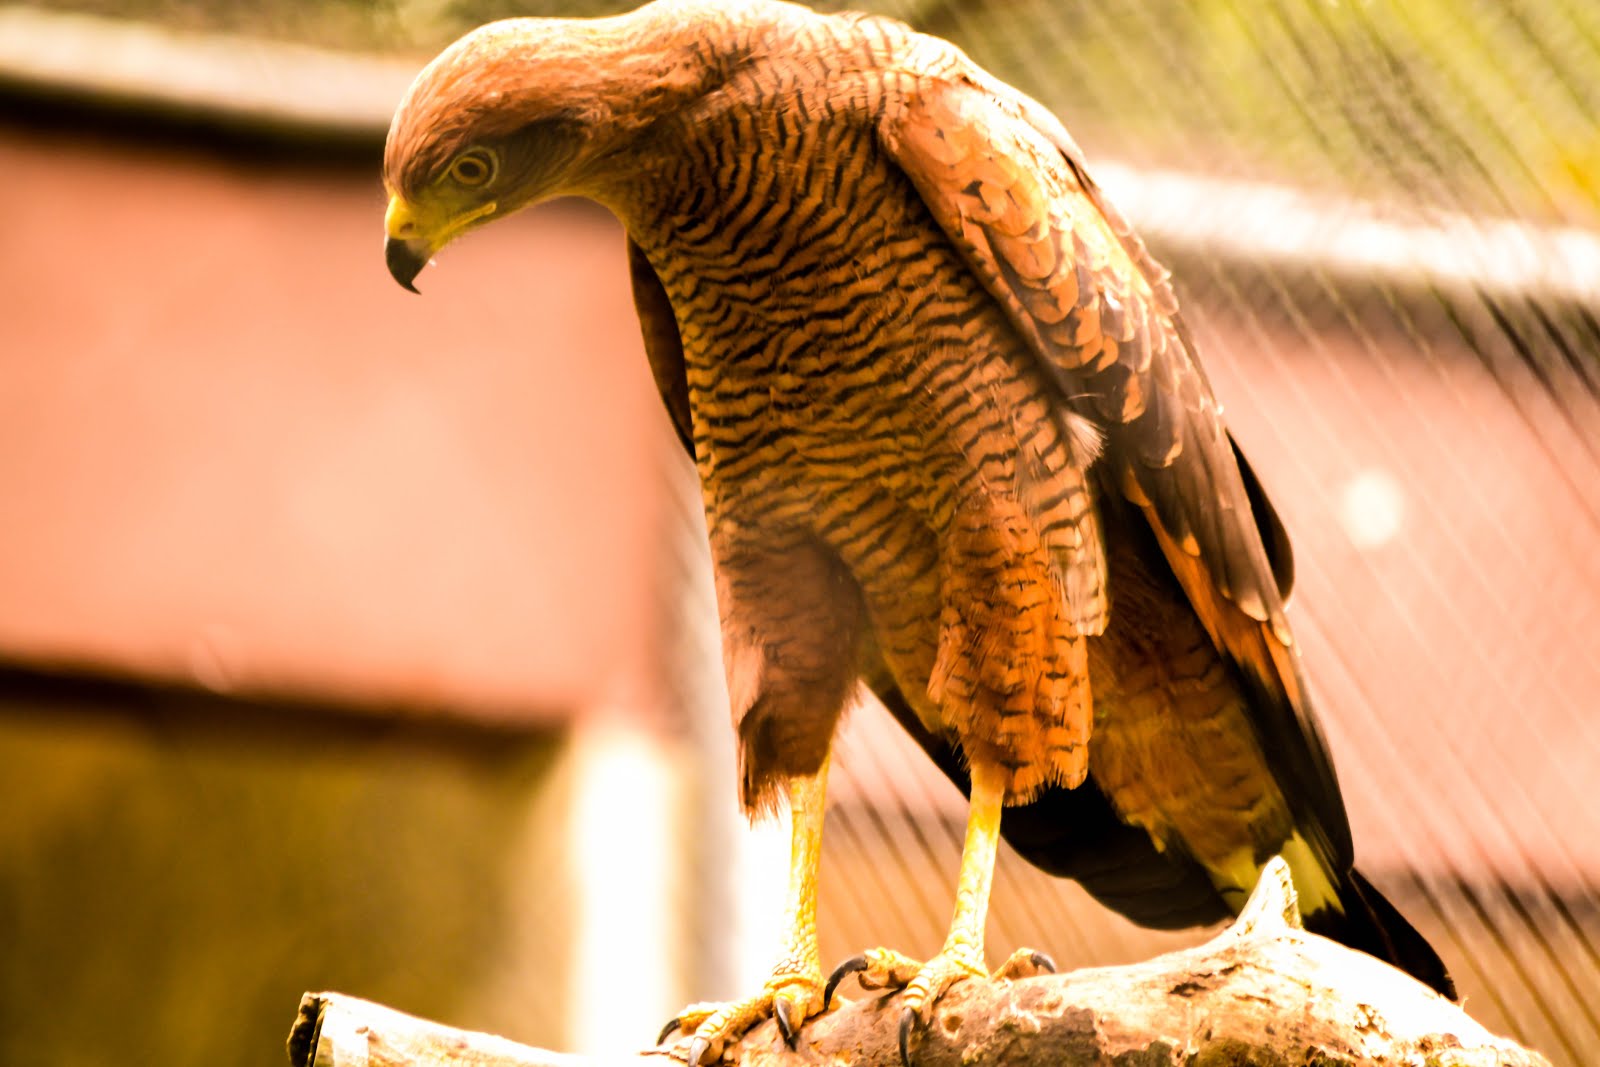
(697, 1048)
(1043, 962)
(853, 965)
(907, 1019)
(780, 1015)
(666, 1031)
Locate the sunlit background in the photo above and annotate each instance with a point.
(359, 641)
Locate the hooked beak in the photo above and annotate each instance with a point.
(405, 261)
(404, 252)
(411, 237)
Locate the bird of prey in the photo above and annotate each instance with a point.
(953, 439)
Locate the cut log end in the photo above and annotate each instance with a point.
(306, 1032)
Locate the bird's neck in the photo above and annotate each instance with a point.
(656, 67)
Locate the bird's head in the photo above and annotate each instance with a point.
(504, 117)
(520, 111)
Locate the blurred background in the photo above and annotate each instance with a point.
(356, 641)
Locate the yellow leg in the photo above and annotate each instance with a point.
(965, 939)
(962, 955)
(794, 992)
(799, 970)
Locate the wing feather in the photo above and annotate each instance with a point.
(1009, 189)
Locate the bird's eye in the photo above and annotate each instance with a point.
(473, 167)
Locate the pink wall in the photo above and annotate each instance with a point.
(233, 451)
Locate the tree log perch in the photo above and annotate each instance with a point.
(1264, 993)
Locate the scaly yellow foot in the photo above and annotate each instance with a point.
(962, 954)
(925, 983)
(794, 992)
(788, 997)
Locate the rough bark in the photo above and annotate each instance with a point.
(1262, 994)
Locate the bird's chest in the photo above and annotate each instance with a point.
(798, 326)
(782, 411)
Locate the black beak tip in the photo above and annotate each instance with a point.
(404, 262)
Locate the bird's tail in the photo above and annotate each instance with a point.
(1371, 924)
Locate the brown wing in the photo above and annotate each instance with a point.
(1007, 186)
(1274, 536)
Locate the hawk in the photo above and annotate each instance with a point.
(953, 439)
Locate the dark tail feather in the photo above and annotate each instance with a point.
(1375, 926)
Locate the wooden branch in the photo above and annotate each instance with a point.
(1264, 993)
